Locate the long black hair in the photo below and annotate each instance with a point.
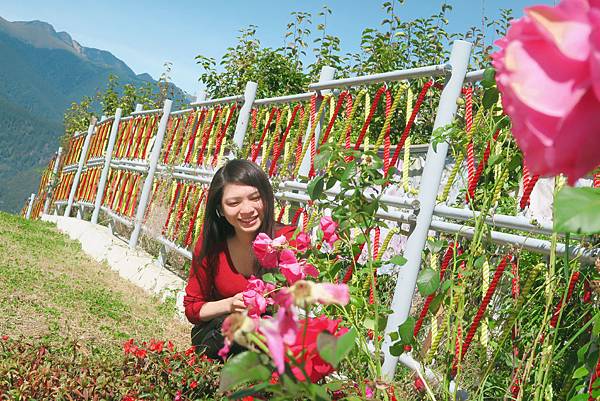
(216, 229)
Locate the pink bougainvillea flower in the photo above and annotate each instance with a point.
(305, 348)
(302, 242)
(254, 296)
(329, 226)
(279, 332)
(295, 270)
(305, 293)
(266, 249)
(548, 71)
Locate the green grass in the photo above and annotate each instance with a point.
(50, 291)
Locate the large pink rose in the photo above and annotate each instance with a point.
(548, 71)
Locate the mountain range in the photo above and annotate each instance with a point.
(41, 73)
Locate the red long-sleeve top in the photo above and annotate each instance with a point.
(226, 282)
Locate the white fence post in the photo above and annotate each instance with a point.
(84, 149)
(30, 206)
(327, 74)
(53, 178)
(244, 115)
(107, 158)
(430, 182)
(153, 163)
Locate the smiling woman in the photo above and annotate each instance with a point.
(240, 205)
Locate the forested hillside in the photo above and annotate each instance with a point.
(42, 72)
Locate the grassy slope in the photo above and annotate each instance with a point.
(50, 291)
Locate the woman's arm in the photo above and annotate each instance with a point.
(213, 309)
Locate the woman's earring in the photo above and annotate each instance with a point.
(218, 213)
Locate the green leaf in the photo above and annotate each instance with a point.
(242, 368)
(406, 330)
(249, 391)
(398, 260)
(580, 372)
(580, 397)
(315, 188)
(397, 349)
(576, 210)
(319, 392)
(581, 352)
(322, 158)
(428, 281)
(596, 327)
(488, 78)
(349, 172)
(490, 97)
(269, 278)
(334, 349)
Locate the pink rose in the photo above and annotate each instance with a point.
(255, 297)
(266, 249)
(294, 270)
(302, 242)
(329, 226)
(548, 71)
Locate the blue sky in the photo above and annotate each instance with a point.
(145, 34)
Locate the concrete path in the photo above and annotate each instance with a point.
(137, 266)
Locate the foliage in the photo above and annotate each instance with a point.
(154, 368)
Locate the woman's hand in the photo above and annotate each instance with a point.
(236, 303)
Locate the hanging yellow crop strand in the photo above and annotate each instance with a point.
(301, 128)
(433, 265)
(386, 243)
(388, 118)
(342, 136)
(215, 132)
(313, 127)
(367, 108)
(485, 283)
(273, 136)
(407, 143)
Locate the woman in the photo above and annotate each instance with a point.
(239, 205)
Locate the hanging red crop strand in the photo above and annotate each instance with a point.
(256, 147)
(474, 179)
(189, 191)
(343, 96)
(376, 239)
(515, 290)
(178, 146)
(528, 184)
(363, 131)
(296, 216)
(222, 135)
(281, 212)
(206, 135)
(190, 230)
(410, 122)
(190, 147)
(281, 143)
(172, 207)
(572, 281)
(484, 304)
(443, 267)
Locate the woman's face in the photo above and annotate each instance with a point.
(242, 207)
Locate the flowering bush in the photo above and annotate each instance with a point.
(37, 371)
(292, 351)
(548, 71)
